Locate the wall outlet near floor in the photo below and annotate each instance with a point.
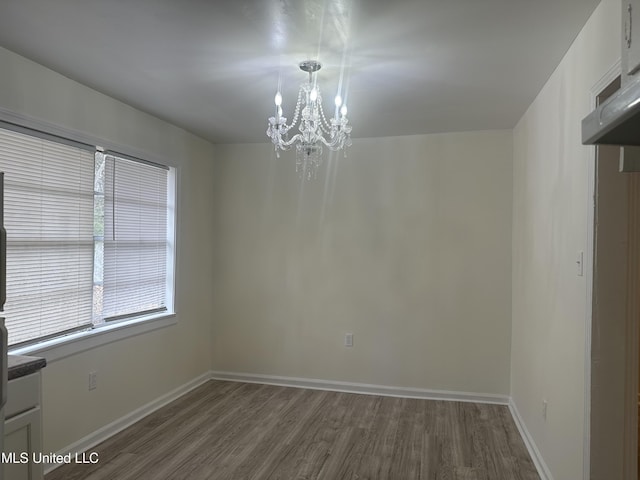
(348, 340)
(93, 380)
(544, 409)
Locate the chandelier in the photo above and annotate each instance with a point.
(314, 128)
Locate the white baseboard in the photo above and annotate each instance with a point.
(129, 419)
(362, 388)
(534, 453)
(102, 434)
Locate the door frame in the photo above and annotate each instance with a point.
(632, 335)
(613, 73)
(632, 346)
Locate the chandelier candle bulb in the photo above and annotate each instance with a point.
(338, 102)
(278, 101)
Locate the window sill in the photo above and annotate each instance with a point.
(72, 344)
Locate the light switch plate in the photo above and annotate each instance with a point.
(580, 263)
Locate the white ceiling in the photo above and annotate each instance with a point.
(212, 67)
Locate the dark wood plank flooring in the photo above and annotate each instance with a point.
(236, 431)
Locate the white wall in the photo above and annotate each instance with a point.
(408, 247)
(137, 370)
(550, 209)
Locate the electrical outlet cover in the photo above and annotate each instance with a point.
(348, 340)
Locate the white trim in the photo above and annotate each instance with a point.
(173, 220)
(611, 74)
(65, 346)
(532, 448)
(120, 424)
(362, 388)
(588, 272)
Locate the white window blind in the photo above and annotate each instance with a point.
(135, 238)
(48, 214)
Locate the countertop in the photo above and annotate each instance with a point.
(20, 366)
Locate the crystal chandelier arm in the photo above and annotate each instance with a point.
(340, 135)
(286, 144)
(334, 143)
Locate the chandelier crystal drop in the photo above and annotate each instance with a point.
(314, 128)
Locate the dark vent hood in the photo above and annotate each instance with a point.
(617, 120)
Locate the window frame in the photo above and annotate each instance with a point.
(66, 345)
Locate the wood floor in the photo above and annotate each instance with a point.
(236, 431)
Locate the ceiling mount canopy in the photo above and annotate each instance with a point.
(310, 66)
(314, 128)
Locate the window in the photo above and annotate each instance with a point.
(89, 236)
(130, 275)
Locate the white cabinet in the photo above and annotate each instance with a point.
(631, 34)
(23, 429)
